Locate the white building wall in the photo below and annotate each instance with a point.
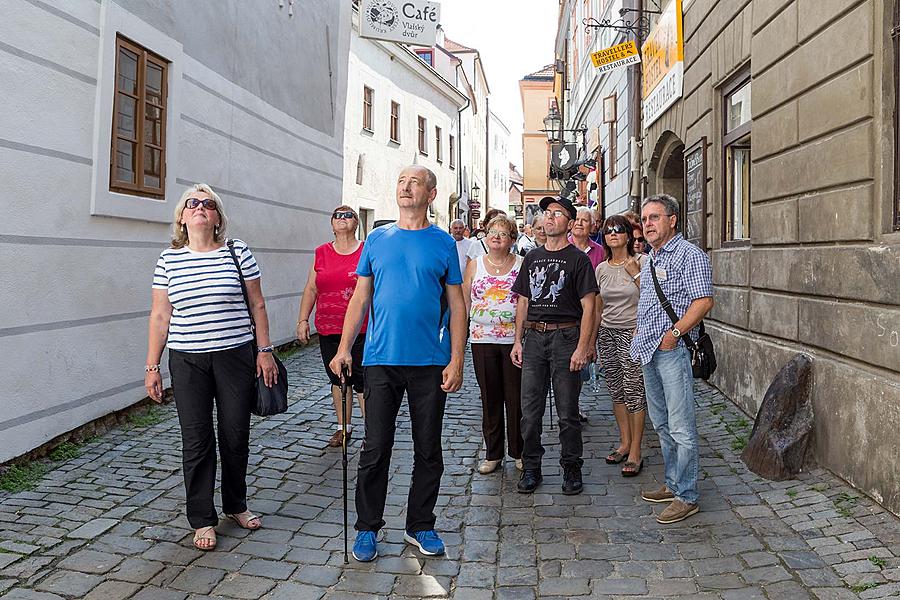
(396, 75)
(585, 99)
(78, 261)
(474, 128)
(498, 164)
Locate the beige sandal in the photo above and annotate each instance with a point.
(203, 536)
(244, 519)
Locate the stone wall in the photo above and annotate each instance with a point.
(821, 273)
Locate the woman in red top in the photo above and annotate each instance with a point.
(332, 279)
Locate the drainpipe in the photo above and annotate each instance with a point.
(636, 121)
(459, 170)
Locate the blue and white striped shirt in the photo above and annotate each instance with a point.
(684, 275)
(208, 308)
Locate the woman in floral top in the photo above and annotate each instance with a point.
(492, 327)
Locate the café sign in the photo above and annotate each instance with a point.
(405, 21)
(663, 63)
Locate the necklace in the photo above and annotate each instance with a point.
(618, 264)
(497, 267)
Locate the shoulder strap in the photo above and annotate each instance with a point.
(230, 244)
(667, 306)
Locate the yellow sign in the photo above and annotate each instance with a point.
(664, 47)
(616, 56)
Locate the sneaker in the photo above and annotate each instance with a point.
(572, 483)
(677, 511)
(530, 480)
(519, 464)
(659, 495)
(365, 549)
(488, 466)
(428, 542)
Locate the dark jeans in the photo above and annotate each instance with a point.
(385, 386)
(501, 385)
(545, 359)
(229, 377)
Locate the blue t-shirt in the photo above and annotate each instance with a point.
(409, 319)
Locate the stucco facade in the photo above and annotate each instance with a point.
(536, 91)
(498, 165)
(244, 115)
(819, 271)
(372, 160)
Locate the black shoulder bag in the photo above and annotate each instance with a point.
(703, 355)
(269, 400)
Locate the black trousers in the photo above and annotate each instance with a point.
(229, 377)
(501, 386)
(385, 386)
(545, 360)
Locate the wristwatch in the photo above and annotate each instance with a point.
(676, 333)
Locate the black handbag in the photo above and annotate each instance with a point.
(269, 400)
(703, 355)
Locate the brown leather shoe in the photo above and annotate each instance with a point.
(336, 440)
(677, 511)
(658, 495)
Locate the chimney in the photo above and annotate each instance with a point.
(440, 36)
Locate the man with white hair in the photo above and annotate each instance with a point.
(457, 230)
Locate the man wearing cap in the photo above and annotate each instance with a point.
(554, 321)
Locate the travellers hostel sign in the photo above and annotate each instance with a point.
(612, 58)
(405, 21)
(663, 63)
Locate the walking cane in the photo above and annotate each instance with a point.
(345, 379)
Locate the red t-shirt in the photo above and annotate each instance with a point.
(335, 281)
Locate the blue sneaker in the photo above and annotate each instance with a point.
(428, 542)
(365, 548)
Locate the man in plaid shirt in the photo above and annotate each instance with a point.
(685, 276)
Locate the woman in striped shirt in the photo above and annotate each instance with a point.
(200, 314)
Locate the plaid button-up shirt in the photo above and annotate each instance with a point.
(685, 275)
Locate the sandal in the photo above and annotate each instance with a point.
(205, 538)
(245, 519)
(615, 457)
(631, 469)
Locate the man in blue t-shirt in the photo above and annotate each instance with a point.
(409, 277)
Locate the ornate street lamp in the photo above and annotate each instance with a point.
(552, 125)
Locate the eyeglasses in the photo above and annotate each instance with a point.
(343, 214)
(208, 203)
(654, 218)
(555, 213)
(615, 229)
(499, 234)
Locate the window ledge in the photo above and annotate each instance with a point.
(367, 131)
(394, 143)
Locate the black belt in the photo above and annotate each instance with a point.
(542, 326)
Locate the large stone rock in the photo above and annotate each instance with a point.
(781, 435)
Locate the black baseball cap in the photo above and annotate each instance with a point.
(564, 202)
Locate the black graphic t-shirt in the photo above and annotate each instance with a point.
(554, 283)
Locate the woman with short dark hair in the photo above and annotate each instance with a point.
(618, 278)
(329, 286)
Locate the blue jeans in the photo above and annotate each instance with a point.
(669, 385)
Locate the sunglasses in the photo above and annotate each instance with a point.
(343, 214)
(208, 203)
(639, 240)
(499, 234)
(615, 229)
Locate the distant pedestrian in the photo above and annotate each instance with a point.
(199, 313)
(580, 236)
(640, 244)
(685, 276)
(554, 321)
(491, 303)
(596, 227)
(457, 230)
(329, 285)
(525, 241)
(409, 277)
(618, 278)
(537, 226)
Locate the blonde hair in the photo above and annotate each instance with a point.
(502, 219)
(179, 230)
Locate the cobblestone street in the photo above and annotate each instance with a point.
(109, 523)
